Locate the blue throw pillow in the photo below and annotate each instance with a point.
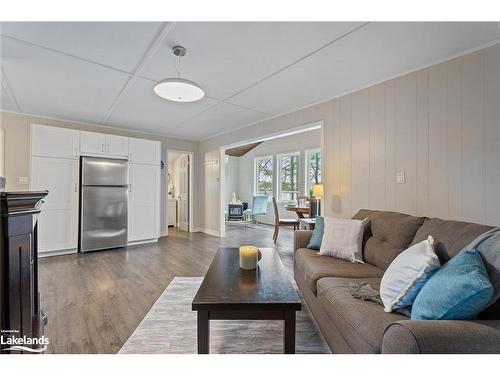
(317, 235)
(459, 290)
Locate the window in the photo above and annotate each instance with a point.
(289, 169)
(264, 176)
(313, 170)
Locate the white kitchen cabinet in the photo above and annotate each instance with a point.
(117, 145)
(54, 142)
(92, 143)
(144, 202)
(143, 151)
(103, 145)
(58, 221)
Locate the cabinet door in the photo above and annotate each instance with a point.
(54, 142)
(58, 221)
(144, 194)
(116, 145)
(92, 143)
(143, 151)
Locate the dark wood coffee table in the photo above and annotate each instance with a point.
(230, 293)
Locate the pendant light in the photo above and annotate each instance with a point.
(178, 89)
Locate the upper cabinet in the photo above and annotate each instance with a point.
(102, 144)
(92, 143)
(117, 145)
(51, 141)
(54, 142)
(142, 151)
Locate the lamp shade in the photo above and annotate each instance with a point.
(317, 190)
(179, 90)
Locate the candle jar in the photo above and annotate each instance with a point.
(249, 256)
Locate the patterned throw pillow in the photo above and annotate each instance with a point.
(407, 274)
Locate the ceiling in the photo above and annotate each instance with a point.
(105, 72)
(242, 150)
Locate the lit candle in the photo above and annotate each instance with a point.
(249, 256)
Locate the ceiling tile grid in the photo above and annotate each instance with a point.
(105, 72)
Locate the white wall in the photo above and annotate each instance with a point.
(231, 182)
(294, 143)
(440, 125)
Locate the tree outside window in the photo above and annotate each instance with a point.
(313, 172)
(289, 170)
(264, 176)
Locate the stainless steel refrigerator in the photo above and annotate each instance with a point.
(103, 203)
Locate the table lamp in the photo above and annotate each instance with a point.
(318, 194)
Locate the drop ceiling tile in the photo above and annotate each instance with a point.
(226, 57)
(141, 109)
(376, 52)
(50, 84)
(117, 44)
(221, 118)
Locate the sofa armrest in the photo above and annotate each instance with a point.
(442, 336)
(301, 239)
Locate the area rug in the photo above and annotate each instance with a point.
(170, 328)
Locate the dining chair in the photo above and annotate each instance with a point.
(282, 222)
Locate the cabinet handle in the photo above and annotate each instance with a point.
(129, 188)
(108, 148)
(76, 187)
(130, 157)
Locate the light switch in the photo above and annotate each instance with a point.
(23, 180)
(400, 178)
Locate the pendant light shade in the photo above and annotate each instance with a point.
(179, 89)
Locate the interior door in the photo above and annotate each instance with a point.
(143, 215)
(117, 145)
(92, 143)
(58, 221)
(184, 192)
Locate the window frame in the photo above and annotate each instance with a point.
(307, 182)
(279, 174)
(256, 175)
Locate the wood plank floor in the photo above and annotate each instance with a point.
(94, 301)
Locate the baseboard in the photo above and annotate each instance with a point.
(164, 234)
(57, 252)
(141, 242)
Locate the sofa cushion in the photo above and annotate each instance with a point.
(314, 266)
(388, 235)
(449, 236)
(361, 323)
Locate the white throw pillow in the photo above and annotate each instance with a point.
(343, 239)
(407, 274)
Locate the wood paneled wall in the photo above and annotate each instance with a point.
(440, 125)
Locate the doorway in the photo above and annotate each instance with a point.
(179, 177)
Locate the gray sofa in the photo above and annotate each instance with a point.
(351, 325)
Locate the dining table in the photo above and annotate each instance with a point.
(299, 210)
